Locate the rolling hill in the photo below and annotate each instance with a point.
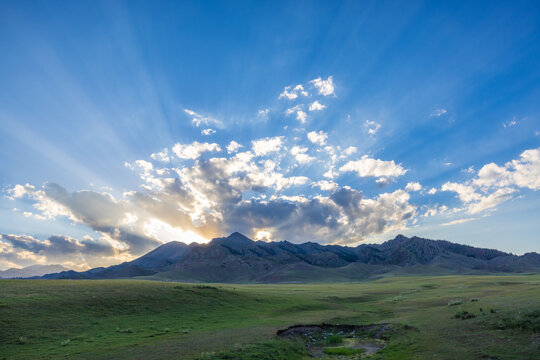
(237, 258)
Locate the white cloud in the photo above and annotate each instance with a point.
(495, 184)
(316, 106)
(162, 156)
(263, 112)
(331, 173)
(413, 186)
(300, 90)
(301, 116)
(326, 185)
(368, 167)
(208, 132)
(372, 127)
(466, 193)
(233, 147)
(267, 145)
(318, 138)
(294, 109)
(300, 155)
(194, 150)
(325, 87)
(293, 93)
(523, 172)
(432, 191)
(348, 152)
(18, 191)
(199, 119)
(438, 112)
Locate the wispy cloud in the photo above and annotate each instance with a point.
(510, 123)
(198, 119)
(459, 221)
(372, 127)
(438, 112)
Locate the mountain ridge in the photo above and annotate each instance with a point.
(236, 258)
(32, 270)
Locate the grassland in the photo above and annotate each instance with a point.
(135, 319)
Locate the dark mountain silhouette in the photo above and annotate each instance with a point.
(236, 258)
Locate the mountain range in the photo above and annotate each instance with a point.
(29, 271)
(237, 258)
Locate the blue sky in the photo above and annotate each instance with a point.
(357, 121)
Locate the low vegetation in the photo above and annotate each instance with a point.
(342, 351)
(119, 319)
(334, 339)
(268, 350)
(527, 320)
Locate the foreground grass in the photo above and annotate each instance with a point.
(119, 319)
(267, 350)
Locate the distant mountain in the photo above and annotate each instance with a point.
(29, 271)
(237, 258)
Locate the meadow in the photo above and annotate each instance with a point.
(443, 317)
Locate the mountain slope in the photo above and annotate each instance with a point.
(236, 258)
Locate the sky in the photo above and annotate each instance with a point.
(128, 124)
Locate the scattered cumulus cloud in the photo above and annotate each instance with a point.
(368, 167)
(494, 184)
(413, 186)
(194, 150)
(300, 155)
(326, 185)
(267, 145)
(292, 93)
(294, 109)
(301, 116)
(162, 156)
(324, 87)
(316, 106)
(208, 132)
(233, 147)
(318, 138)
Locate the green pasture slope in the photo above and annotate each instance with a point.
(136, 319)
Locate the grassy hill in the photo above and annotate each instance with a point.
(135, 319)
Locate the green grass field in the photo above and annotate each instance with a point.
(431, 318)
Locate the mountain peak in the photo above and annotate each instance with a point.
(237, 237)
(400, 237)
